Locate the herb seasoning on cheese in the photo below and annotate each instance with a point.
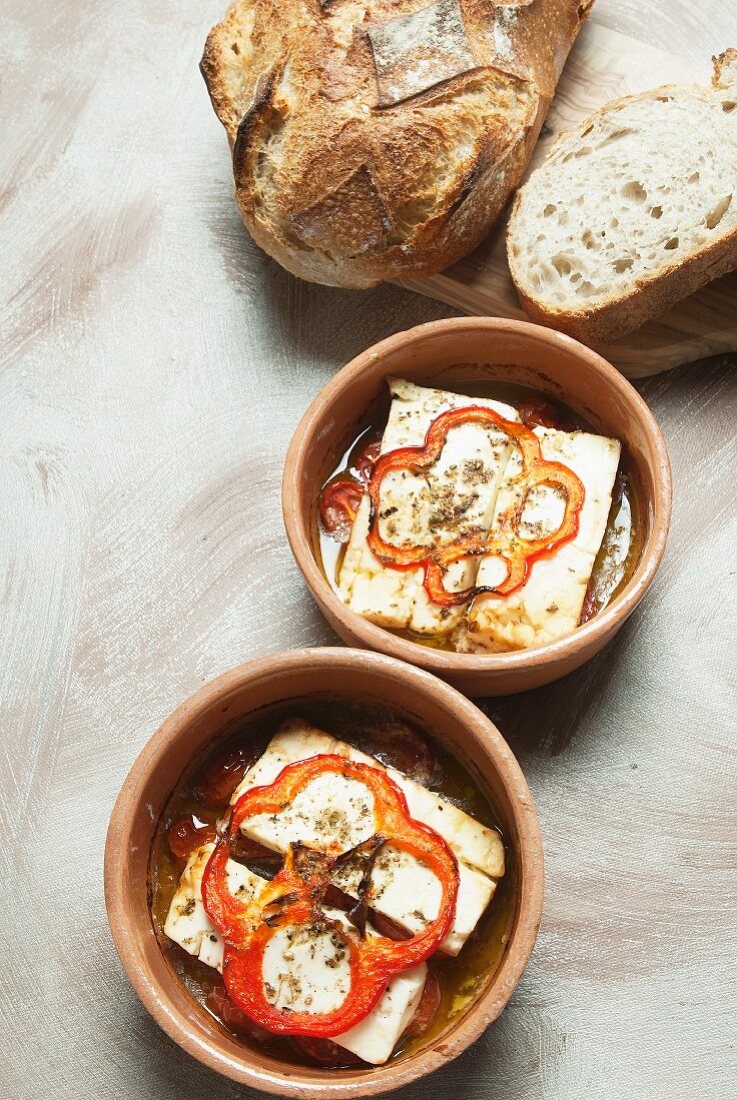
(479, 522)
(332, 886)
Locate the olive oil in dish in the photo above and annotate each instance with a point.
(521, 525)
(263, 751)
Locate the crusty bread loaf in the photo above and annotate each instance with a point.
(630, 212)
(381, 140)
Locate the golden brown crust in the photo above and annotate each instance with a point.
(648, 297)
(382, 141)
(725, 68)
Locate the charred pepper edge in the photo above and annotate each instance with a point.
(519, 554)
(373, 962)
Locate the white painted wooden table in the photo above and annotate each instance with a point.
(154, 365)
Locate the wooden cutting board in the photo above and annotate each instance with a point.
(603, 65)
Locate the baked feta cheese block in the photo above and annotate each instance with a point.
(188, 924)
(302, 968)
(549, 604)
(474, 486)
(457, 495)
(334, 805)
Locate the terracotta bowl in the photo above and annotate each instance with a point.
(446, 354)
(196, 725)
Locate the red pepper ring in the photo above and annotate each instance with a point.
(517, 552)
(295, 895)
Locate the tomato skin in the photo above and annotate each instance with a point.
(221, 775)
(220, 1004)
(186, 836)
(398, 745)
(327, 1053)
(394, 742)
(339, 502)
(427, 1009)
(535, 412)
(340, 498)
(365, 462)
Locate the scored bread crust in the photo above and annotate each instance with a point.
(647, 297)
(381, 140)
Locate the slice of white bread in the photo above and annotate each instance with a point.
(632, 211)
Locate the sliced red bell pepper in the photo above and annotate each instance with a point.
(296, 897)
(518, 553)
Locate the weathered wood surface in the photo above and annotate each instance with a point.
(154, 366)
(603, 65)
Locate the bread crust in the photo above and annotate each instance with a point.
(649, 297)
(352, 162)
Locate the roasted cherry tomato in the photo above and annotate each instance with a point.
(427, 1009)
(339, 503)
(398, 745)
(327, 1053)
(188, 834)
(364, 464)
(538, 413)
(395, 743)
(221, 775)
(220, 1004)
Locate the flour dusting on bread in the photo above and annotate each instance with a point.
(415, 52)
(391, 134)
(505, 19)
